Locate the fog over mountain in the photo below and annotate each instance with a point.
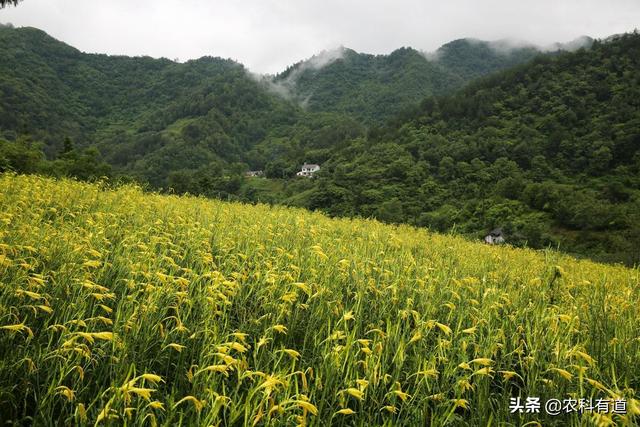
(269, 35)
(371, 87)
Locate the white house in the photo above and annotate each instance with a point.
(308, 169)
(254, 174)
(495, 237)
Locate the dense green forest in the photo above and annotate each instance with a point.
(196, 126)
(549, 151)
(373, 88)
(148, 117)
(545, 148)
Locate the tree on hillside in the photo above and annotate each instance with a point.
(3, 3)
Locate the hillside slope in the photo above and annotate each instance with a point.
(149, 117)
(549, 151)
(171, 124)
(469, 59)
(181, 310)
(196, 126)
(374, 88)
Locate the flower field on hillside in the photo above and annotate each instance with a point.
(124, 308)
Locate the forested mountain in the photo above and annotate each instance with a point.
(468, 59)
(50, 89)
(373, 88)
(164, 122)
(548, 150)
(153, 118)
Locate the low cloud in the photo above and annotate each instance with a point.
(324, 58)
(267, 35)
(285, 86)
(507, 45)
(573, 45)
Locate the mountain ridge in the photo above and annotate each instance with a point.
(118, 103)
(548, 150)
(560, 171)
(383, 85)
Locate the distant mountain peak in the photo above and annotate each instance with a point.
(506, 46)
(500, 46)
(573, 45)
(326, 57)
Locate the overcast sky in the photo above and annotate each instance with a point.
(268, 35)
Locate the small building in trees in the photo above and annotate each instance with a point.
(495, 237)
(308, 169)
(254, 174)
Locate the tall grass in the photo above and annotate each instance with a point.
(118, 307)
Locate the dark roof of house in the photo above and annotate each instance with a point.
(496, 232)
